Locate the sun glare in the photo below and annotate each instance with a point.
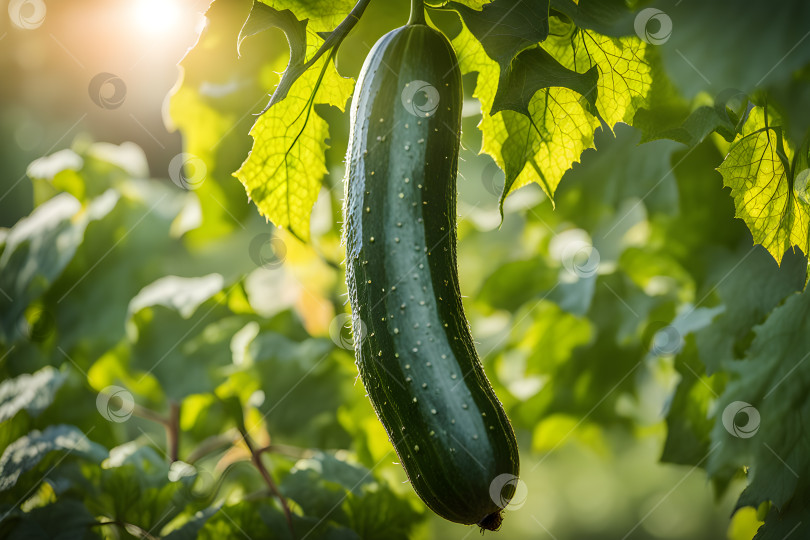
(155, 16)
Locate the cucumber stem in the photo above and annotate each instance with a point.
(417, 12)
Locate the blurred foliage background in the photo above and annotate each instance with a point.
(157, 334)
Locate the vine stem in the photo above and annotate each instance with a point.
(256, 457)
(149, 414)
(286, 450)
(417, 12)
(173, 431)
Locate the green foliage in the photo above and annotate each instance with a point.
(148, 352)
(188, 355)
(760, 170)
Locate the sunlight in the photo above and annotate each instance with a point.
(156, 16)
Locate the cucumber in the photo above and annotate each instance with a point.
(413, 346)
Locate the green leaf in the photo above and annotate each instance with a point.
(213, 109)
(793, 519)
(283, 172)
(514, 282)
(689, 424)
(725, 116)
(27, 452)
(191, 528)
(287, 372)
(263, 17)
(319, 485)
(136, 485)
(323, 15)
(37, 250)
(349, 495)
(183, 295)
(608, 17)
(757, 169)
(539, 149)
(63, 520)
(533, 70)
(181, 330)
(121, 253)
(693, 130)
(32, 393)
(378, 512)
(750, 285)
(257, 519)
(761, 418)
(506, 27)
(547, 336)
(620, 170)
(770, 60)
(625, 72)
(541, 145)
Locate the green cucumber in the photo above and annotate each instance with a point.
(413, 346)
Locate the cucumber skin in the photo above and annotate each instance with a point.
(452, 436)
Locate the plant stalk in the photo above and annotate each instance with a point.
(417, 12)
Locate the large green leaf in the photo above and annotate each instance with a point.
(559, 117)
(750, 284)
(287, 372)
(283, 172)
(537, 149)
(625, 72)
(136, 485)
(181, 329)
(761, 418)
(63, 520)
(37, 249)
(349, 495)
(758, 171)
(27, 452)
(689, 425)
(32, 393)
(506, 27)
